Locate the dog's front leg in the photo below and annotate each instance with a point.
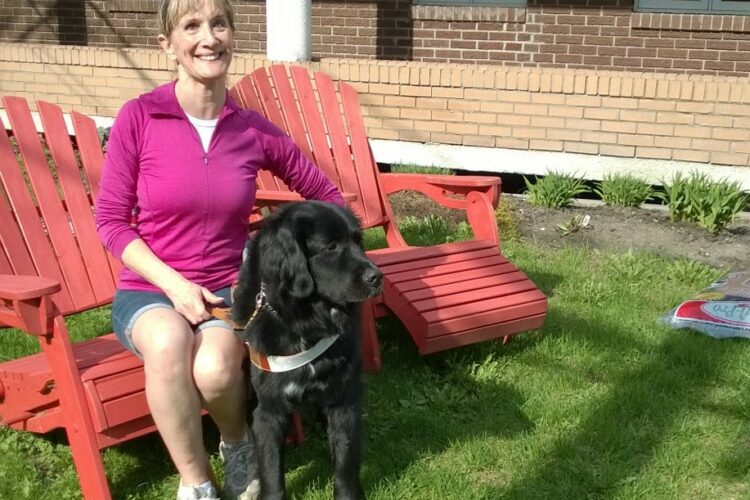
(269, 428)
(345, 439)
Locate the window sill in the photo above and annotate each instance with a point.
(466, 13)
(690, 22)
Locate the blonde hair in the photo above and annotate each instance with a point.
(171, 11)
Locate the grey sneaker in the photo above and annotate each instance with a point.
(240, 469)
(197, 492)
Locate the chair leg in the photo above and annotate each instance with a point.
(370, 345)
(80, 429)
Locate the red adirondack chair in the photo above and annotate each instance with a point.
(52, 264)
(446, 295)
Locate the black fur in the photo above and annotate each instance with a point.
(310, 257)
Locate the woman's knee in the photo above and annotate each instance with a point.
(165, 340)
(218, 367)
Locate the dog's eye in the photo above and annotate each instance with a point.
(332, 246)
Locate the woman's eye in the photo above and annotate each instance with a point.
(191, 26)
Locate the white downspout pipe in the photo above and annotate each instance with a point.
(288, 29)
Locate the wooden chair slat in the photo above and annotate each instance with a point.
(364, 163)
(512, 307)
(92, 159)
(268, 99)
(434, 265)
(55, 217)
(414, 254)
(288, 105)
(30, 229)
(515, 295)
(339, 142)
(78, 203)
(15, 252)
(314, 124)
(467, 302)
(458, 287)
(246, 95)
(494, 267)
(4, 262)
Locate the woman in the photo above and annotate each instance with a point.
(176, 192)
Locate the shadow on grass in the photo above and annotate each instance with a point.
(416, 406)
(618, 439)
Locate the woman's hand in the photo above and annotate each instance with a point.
(190, 300)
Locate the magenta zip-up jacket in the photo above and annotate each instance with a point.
(189, 206)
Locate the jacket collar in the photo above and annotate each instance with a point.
(162, 101)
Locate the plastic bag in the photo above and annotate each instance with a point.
(722, 310)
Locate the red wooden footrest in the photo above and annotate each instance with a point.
(459, 293)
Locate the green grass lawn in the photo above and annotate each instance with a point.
(603, 402)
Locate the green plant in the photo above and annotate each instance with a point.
(554, 190)
(412, 168)
(576, 223)
(711, 204)
(507, 221)
(623, 190)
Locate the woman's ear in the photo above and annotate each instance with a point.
(166, 45)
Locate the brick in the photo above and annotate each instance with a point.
(545, 145)
(566, 111)
(512, 143)
(740, 159)
(711, 145)
(691, 155)
(672, 142)
(479, 140)
(617, 150)
(619, 126)
(583, 148)
(656, 153)
(692, 131)
(495, 130)
(655, 129)
(635, 140)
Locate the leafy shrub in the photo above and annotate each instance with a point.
(507, 221)
(712, 205)
(555, 190)
(623, 190)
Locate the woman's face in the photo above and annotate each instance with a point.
(201, 43)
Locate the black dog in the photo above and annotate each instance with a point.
(300, 291)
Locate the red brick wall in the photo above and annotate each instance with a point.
(580, 34)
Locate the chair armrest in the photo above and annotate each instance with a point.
(441, 188)
(271, 197)
(25, 303)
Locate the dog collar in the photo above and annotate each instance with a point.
(289, 363)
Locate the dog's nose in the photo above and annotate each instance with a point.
(372, 276)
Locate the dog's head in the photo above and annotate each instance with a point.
(313, 247)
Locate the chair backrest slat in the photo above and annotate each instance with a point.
(364, 163)
(77, 201)
(56, 220)
(247, 95)
(24, 237)
(339, 141)
(271, 108)
(289, 109)
(314, 123)
(92, 159)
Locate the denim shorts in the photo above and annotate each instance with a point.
(129, 305)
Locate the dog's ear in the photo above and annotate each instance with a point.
(290, 261)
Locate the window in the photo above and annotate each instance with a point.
(694, 6)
